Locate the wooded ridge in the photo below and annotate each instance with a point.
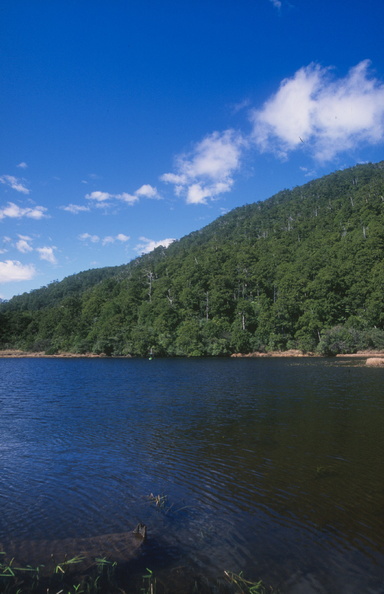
(303, 269)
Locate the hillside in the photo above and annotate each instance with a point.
(304, 269)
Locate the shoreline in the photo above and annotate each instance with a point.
(297, 353)
(15, 353)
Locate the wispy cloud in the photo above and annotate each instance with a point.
(13, 270)
(75, 208)
(22, 165)
(276, 3)
(103, 198)
(148, 245)
(14, 183)
(147, 191)
(121, 237)
(241, 105)
(13, 211)
(99, 196)
(128, 198)
(314, 111)
(88, 237)
(23, 244)
(208, 169)
(108, 239)
(112, 239)
(47, 253)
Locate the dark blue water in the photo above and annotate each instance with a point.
(272, 467)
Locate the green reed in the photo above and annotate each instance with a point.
(244, 586)
(149, 583)
(28, 580)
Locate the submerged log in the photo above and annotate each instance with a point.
(75, 554)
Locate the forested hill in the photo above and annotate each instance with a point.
(304, 269)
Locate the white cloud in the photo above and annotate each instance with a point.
(110, 239)
(23, 244)
(128, 198)
(197, 194)
(22, 165)
(147, 191)
(276, 3)
(122, 237)
(325, 115)
(102, 197)
(105, 240)
(208, 170)
(46, 253)
(91, 238)
(99, 196)
(14, 183)
(215, 157)
(236, 107)
(13, 270)
(14, 211)
(174, 178)
(148, 245)
(75, 208)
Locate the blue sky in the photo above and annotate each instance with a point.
(125, 124)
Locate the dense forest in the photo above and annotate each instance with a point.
(303, 269)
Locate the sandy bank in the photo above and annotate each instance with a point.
(375, 361)
(290, 353)
(374, 357)
(296, 353)
(10, 353)
(364, 354)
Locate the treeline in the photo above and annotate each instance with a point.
(304, 269)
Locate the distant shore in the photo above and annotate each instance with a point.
(14, 353)
(372, 358)
(297, 353)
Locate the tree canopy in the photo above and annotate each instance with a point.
(303, 269)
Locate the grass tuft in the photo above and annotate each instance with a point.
(244, 586)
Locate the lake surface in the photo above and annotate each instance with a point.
(270, 467)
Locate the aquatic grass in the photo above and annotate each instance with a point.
(161, 502)
(102, 563)
(22, 580)
(13, 576)
(149, 583)
(67, 563)
(106, 571)
(158, 500)
(104, 577)
(244, 586)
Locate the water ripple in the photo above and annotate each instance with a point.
(266, 466)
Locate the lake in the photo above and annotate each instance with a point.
(270, 467)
